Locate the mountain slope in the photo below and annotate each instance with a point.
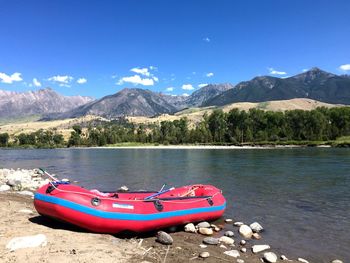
(140, 102)
(313, 84)
(41, 102)
(201, 96)
(127, 102)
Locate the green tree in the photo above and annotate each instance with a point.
(4, 139)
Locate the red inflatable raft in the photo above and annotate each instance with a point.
(129, 211)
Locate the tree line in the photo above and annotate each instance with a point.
(41, 139)
(234, 127)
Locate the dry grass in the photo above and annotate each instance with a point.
(62, 126)
(194, 115)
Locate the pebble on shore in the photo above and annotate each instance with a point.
(245, 231)
(205, 231)
(164, 238)
(204, 254)
(256, 227)
(226, 240)
(270, 257)
(259, 248)
(26, 242)
(190, 228)
(203, 225)
(232, 253)
(211, 241)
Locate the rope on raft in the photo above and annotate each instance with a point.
(131, 200)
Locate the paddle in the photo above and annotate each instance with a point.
(159, 193)
(49, 175)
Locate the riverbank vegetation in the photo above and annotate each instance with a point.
(254, 127)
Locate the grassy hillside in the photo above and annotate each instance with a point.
(194, 115)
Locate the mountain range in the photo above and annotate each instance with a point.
(314, 84)
(44, 101)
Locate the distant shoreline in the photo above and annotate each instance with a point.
(219, 147)
(182, 147)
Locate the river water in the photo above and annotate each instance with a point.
(300, 195)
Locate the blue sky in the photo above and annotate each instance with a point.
(96, 48)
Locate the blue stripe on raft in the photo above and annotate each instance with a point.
(125, 216)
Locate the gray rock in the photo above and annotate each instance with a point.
(164, 238)
(259, 248)
(270, 257)
(4, 188)
(226, 240)
(303, 260)
(283, 257)
(337, 261)
(240, 260)
(245, 231)
(211, 241)
(229, 233)
(205, 231)
(228, 220)
(215, 228)
(223, 246)
(243, 242)
(256, 236)
(204, 254)
(232, 253)
(26, 242)
(203, 246)
(238, 224)
(256, 227)
(190, 228)
(13, 183)
(203, 225)
(123, 188)
(243, 250)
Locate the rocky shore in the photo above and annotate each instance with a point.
(27, 236)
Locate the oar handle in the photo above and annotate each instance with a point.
(46, 173)
(159, 193)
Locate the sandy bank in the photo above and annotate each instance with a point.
(66, 243)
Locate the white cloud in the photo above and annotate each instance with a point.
(136, 79)
(64, 85)
(305, 69)
(36, 82)
(62, 80)
(345, 67)
(81, 80)
(185, 94)
(210, 74)
(155, 79)
(153, 68)
(202, 85)
(206, 39)
(275, 72)
(141, 71)
(169, 89)
(9, 79)
(187, 87)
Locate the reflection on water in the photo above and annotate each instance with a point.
(301, 196)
